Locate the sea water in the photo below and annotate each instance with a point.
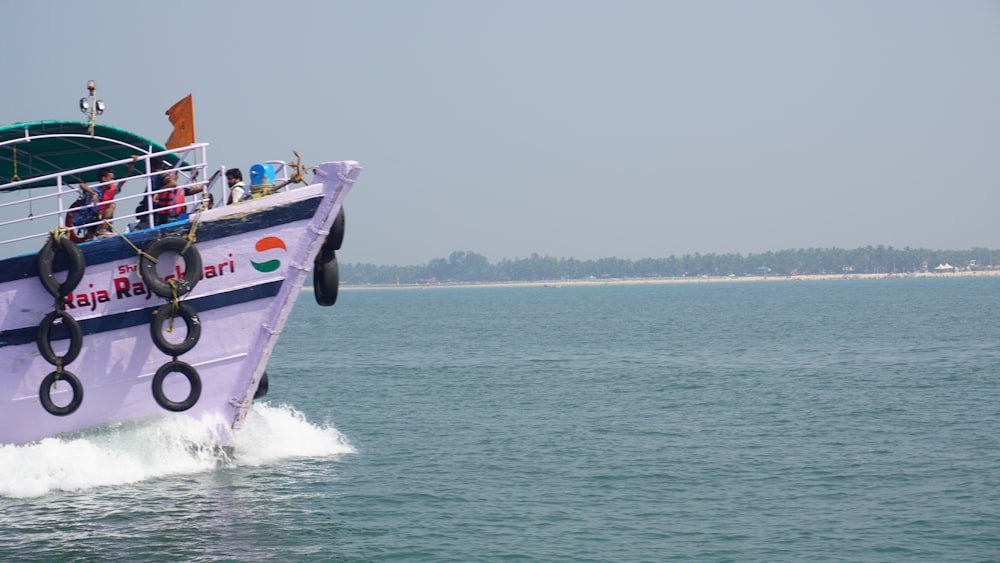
(840, 420)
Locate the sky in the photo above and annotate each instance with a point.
(568, 128)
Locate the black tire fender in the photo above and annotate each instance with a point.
(335, 239)
(45, 338)
(188, 371)
(191, 321)
(77, 264)
(261, 391)
(45, 393)
(326, 278)
(152, 253)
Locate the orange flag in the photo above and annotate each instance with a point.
(181, 117)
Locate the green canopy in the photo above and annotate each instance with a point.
(46, 147)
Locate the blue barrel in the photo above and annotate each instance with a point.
(261, 174)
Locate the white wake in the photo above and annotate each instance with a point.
(176, 445)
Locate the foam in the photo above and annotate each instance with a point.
(174, 445)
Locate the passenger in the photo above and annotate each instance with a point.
(82, 211)
(168, 199)
(103, 195)
(142, 214)
(157, 180)
(142, 217)
(191, 190)
(238, 191)
(207, 202)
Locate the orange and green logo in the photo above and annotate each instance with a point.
(263, 245)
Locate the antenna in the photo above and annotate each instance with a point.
(91, 106)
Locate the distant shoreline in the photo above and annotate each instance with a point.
(660, 281)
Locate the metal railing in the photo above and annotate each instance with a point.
(30, 216)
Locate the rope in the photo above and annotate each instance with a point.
(191, 235)
(175, 299)
(58, 234)
(15, 178)
(59, 372)
(138, 251)
(174, 307)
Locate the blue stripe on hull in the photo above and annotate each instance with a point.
(139, 317)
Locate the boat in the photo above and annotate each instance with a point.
(175, 310)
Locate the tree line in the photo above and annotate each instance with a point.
(469, 266)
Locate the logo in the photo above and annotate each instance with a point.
(263, 245)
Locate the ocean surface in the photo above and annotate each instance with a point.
(843, 420)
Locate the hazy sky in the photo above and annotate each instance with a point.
(574, 128)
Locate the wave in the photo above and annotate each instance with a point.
(129, 453)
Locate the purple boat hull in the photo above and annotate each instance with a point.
(255, 257)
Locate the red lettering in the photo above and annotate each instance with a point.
(122, 287)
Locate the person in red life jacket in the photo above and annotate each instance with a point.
(168, 204)
(104, 196)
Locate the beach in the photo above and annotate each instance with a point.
(681, 280)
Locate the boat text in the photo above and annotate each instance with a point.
(127, 287)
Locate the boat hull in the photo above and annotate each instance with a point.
(255, 257)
